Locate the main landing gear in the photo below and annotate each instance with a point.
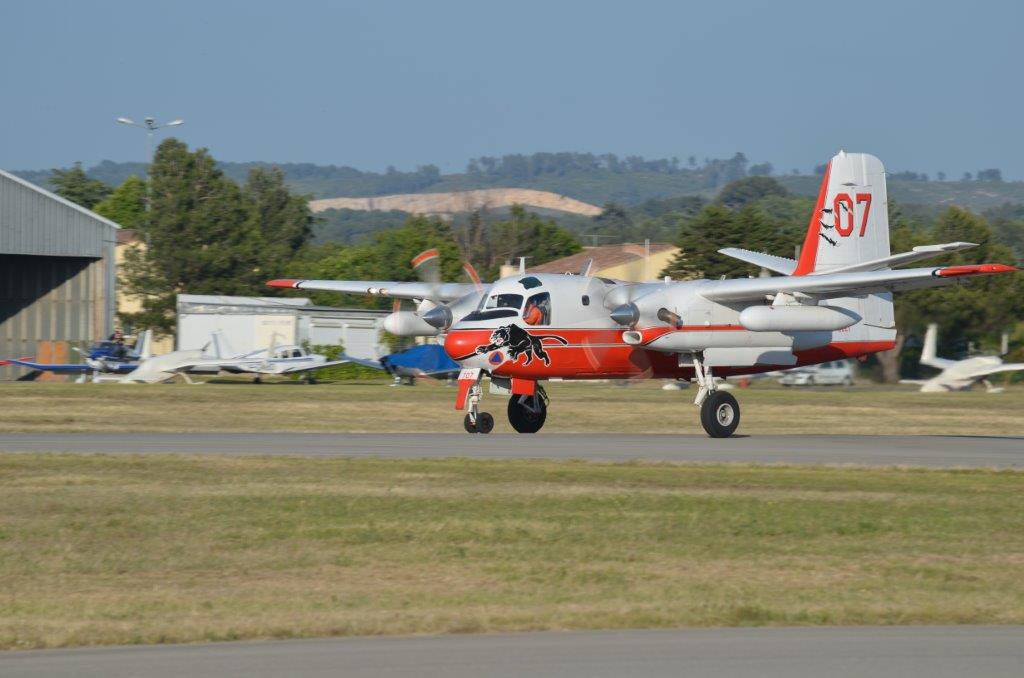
(527, 413)
(719, 411)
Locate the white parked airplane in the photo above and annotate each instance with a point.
(959, 375)
(277, 359)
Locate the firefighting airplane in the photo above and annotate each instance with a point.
(834, 302)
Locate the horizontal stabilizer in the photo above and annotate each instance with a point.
(770, 261)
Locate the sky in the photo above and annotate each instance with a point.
(926, 86)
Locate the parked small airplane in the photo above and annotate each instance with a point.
(274, 360)
(834, 302)
(103, 357)
(959, 375)
(427, 360)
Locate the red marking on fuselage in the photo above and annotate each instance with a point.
(601, 354)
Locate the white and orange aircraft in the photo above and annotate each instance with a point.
(834, 302)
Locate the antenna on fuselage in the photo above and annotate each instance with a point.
(585, 271)
(522, 265)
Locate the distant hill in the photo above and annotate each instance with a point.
(460, 201)
(585, 177)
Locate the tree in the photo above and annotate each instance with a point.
(977, 312)
(716, 227)
(526, 234)
(989, 175)
(282, 219)
(743, 191)
(126, 205)
(75, 185)
(386, 257)
(206, 235)
(763, 169)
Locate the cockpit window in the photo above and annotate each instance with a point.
(490, 315)
(530, 282)
(538, 310)
(503, 301)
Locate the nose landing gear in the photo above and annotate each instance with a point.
(475, 420)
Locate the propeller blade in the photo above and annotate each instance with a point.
(473, 275)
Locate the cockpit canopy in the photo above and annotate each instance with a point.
(288, 352)
(510, 304)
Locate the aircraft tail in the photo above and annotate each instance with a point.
(144, 345)
(929, 352)
(850, 221)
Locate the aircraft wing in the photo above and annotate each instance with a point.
(770, 261)
(995, 369)
(830, 285)
(364, 362)
(308, 368)
(68, 368)
(383, 288)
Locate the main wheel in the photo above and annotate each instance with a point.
(720, 414)
(529, 416)
(468, 424)
(484, 422)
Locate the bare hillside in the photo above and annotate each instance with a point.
(461, 201)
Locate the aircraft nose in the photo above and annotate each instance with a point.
(459, 344)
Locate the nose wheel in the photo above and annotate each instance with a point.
(484, 423)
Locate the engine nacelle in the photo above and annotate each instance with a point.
(408, 324)
(797, 318)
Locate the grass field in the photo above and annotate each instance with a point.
(375, 406)
(99, 549)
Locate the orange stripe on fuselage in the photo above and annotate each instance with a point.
(601, 354)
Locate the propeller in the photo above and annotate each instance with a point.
(432, 309)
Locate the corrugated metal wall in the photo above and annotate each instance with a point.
(57, 274)
(45, 299)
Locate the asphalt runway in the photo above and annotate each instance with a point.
(837, 652)
(939, 451)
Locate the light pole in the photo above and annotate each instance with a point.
(150, 125)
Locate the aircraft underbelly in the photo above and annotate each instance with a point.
(577, 353)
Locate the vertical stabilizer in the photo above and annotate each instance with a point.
(850, 221)
(929, 352)
(144, 345)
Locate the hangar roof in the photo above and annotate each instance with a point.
(35, 221)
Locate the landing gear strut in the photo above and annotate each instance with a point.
(719, 411)
(475, 420)
(528, 413)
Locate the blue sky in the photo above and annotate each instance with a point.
(925, 86)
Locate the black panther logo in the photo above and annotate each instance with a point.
(517, 341)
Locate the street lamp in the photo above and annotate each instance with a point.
(150, 125)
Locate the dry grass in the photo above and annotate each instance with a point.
(641, 407)
(101, 549)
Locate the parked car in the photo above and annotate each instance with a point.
(833, 372)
